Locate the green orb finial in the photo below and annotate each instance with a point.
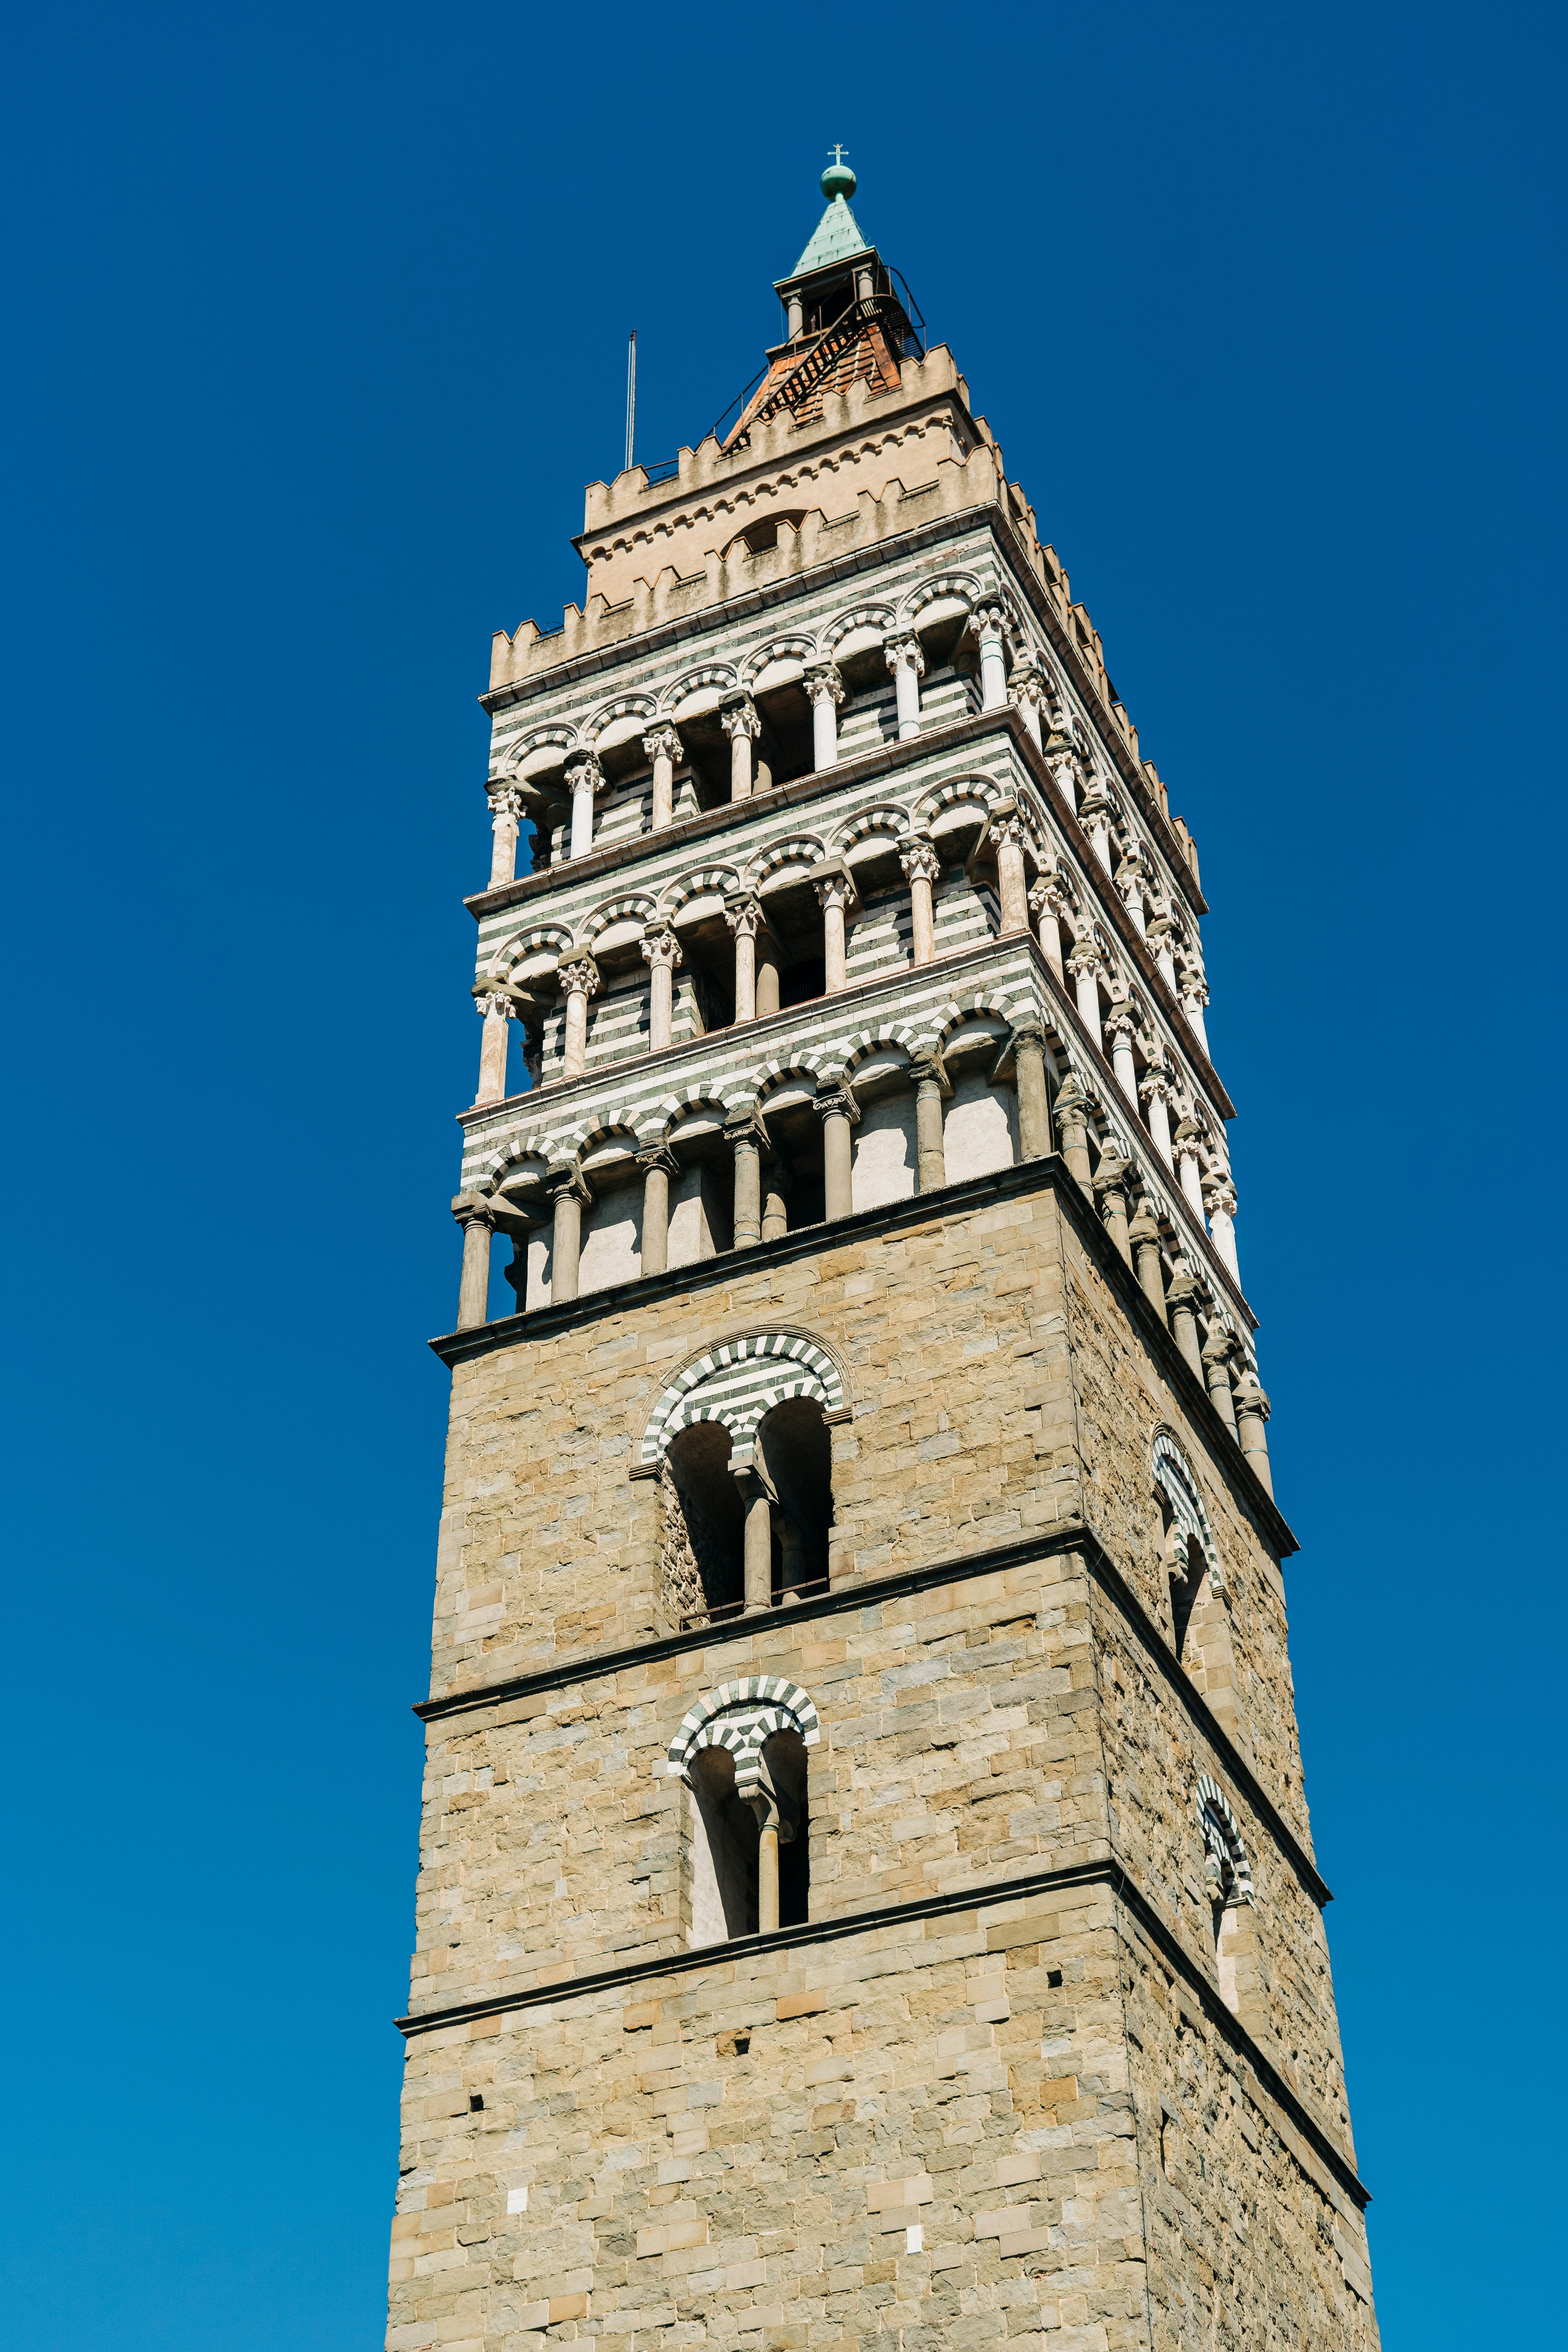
(838, 180)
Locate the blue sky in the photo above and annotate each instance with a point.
(318, 322)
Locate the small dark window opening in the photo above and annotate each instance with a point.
(802, 983)
(795, 1452)
(711, 1507)
(476, 2101)
(1053, 1976)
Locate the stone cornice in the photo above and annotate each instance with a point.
(885, 759)
(733, 1266)
(874, 1591)
(1109, 1873)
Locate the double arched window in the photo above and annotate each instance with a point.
(1227, 1879)
(741, 1752)
(739, 1440)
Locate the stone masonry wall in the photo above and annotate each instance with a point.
(911, 2139)
(548, 1548)
(1121, 1401)
(1251, 2242)
(1154, 1754)
(724, 2156)
(1006, 2128)
(959, 1745)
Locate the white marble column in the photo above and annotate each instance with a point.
(740, 721)
(586, 777)
(1086, 968)
(744, 918)
(506, 816)
(1095, 814)
(1219, 1199)
(477, 1219)
(495, 1007)
(1195, 996)
(579, 980)
(1131, 878)
(987, 621)
(662, 745)
(922, 865)
(1186, 1147)
(662, 953)
(826, 689)
(1028, 693)
(1157, 1092)
(569, 1195)
(1008, 835)
(834, 895)
(1161, 938)
(1119, 1031)
(908, 664)
(839, 1113)
(1064, 770)
(1048, 904)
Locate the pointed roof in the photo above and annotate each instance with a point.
(838, 236)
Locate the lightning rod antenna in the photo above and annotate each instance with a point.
(631, 394)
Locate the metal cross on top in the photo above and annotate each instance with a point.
(838, 152)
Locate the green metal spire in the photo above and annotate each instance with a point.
(837, 231)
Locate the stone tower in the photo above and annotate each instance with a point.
(867, 1896)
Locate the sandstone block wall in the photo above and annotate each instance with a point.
(1009, 2127)
(735, 2152)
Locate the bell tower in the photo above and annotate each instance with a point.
(866, 1896)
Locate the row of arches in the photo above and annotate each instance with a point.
(940, 603)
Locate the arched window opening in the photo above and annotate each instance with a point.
(793, 1453)
(1200, 1622)
(1227, 1879)
(724, 1837)
(742, 1753)
(703, 1555)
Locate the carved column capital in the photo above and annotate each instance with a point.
(1219, 1196)
(565, 1179)
(988, 619)
(930, 1070)
(835, 889)
(656, 1157)
(506, 801)
(663, 743)
(662, 948)
(919, 860)
(737, 716)
(1113, 1173)
(744, 916)
(1250, 1397)
(580, 977)
(493, 1003)
(1086, 959)
(1050, 895)
(901, 651)
(837, 1103)
(470, 1209)
(1157, 1083)
(1220, 1346)
(824, 684)
(584, 773)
